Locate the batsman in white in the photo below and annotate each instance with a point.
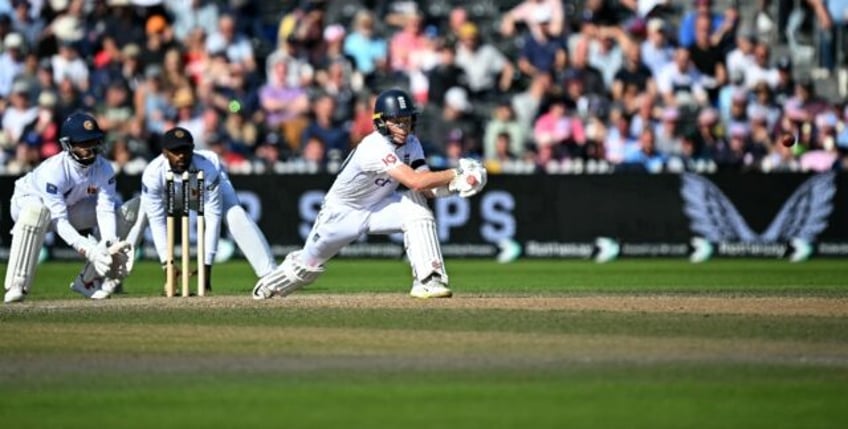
(220, 199)
(70, 192)
(364, 199)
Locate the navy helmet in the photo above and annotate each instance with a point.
(393, 103)
(77, 128)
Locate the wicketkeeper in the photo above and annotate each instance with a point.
(364, 200)
(220, 202)
(70, 192)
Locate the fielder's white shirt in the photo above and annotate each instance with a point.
(60, 182)
(363, 180)
(153, 198)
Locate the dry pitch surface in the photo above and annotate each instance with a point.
(765, 306)
(128, 347)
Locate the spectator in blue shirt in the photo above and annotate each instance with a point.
(369, 52)
(322, 126)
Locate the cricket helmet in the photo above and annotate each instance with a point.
(393, 103)
(77, 128)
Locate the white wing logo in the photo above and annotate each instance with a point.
(803, 216)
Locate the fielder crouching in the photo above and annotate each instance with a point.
(364, 200)
(69, 192)
(220, 203)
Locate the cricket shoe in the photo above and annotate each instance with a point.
(107, 288)
(262, 291)
(90, 289)
(15, 294)
(434, 288)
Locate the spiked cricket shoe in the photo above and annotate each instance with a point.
(15, 294)
(432, 289)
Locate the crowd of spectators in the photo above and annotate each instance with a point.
(535, 86)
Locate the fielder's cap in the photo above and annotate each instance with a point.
(177, 138)
(784, 63)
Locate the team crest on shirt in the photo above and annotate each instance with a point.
(91, 190)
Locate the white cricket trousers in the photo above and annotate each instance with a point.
(82, 215)
(338, 225)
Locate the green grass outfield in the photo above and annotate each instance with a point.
(533, 344)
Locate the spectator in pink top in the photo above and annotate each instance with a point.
(556, 126)
(406, 43)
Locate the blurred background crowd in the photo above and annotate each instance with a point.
(533, 86)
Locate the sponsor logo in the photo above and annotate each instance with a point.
(390, 159)
(713, 216)
(91, 190)
(52, 189)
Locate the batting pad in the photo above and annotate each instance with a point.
(291, 275)
(423, 250)
(27, 237)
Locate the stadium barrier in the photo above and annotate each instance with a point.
(602, 217)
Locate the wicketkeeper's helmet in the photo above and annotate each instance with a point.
(393, 103)
(80, 127)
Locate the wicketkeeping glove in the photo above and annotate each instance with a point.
(123, 256)
(98, 255)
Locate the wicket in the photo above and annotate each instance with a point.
(171, 212)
